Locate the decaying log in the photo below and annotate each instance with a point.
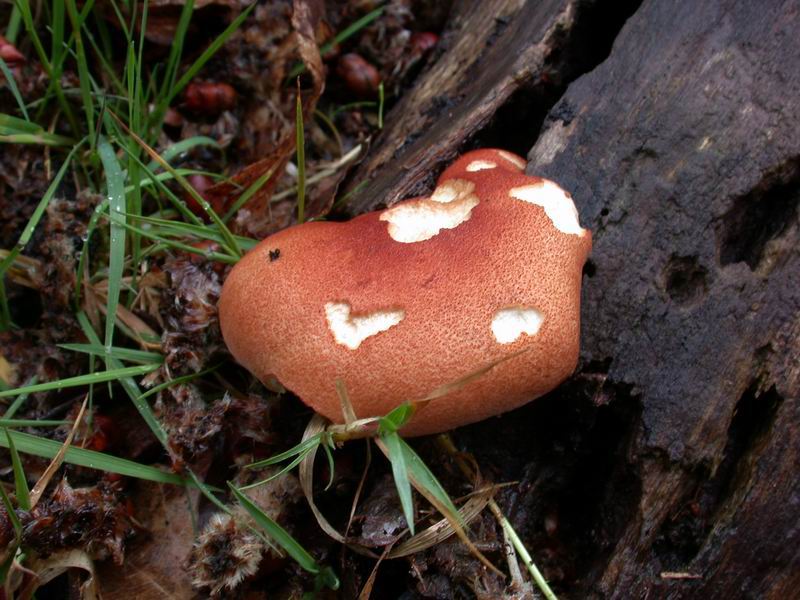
(682, 152)
(490, 51)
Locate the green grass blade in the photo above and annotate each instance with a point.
(395, 419)
(288, 467)
(12, 85)
(153, 177)
(20, 482)
(340, 37)
(380, 105)
(18, 401)
(27, 19)
(12, 29)
(523, 552)
(12, 515)
(13, 423)
(225, 258)
(157, 180)
(116, 208)
(14, 130)
(83, 66)
(108, 69)
(55, 79)
(46, 448)
(182, 147)
(203, 232)
(121, 22)
(301, 448)
(127, 383)
(138, 356)
(208, 491)
(247, 194)
(134, 203)
(212, 49)
(277, 533)
(164, 94)
(27, 233)
(39, 139)
(80, 380)
(427, 480)
(178, 380)
(301, 159)
(57, 48)
(84, 259)
(397, 456)
(230, 242)
(176, 49)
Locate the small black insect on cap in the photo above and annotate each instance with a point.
(274, 255)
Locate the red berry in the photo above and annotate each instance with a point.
(209, 98)
(359, 76)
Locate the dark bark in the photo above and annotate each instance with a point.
(683, 155)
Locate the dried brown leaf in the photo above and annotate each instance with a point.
(421, 541)
(47, 569)
(55, 464)
(153, 567)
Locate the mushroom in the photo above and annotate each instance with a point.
(396, 303)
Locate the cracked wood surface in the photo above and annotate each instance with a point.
(492, 48)
(682, 154)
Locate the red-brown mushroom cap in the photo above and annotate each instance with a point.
(398, 302)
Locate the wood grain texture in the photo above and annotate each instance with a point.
(682, 154)
(491, 49)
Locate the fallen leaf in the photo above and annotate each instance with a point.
(154, 567)
(49, 568)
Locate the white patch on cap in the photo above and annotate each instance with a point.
(480, 165)
(418, 220)
(513, 159)
(509, 324)
(557, 204)
(350, 330)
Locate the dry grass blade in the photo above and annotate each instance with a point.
(422, 541)
(58, 459)
(437, 504)
(316, 426)
(23, 270)
(446, 443)
(348, 412)
(326, 170)
(440, 531)
(359, 489)
(366, 591)
(144, 334)
(16, 576)
(452, 386)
